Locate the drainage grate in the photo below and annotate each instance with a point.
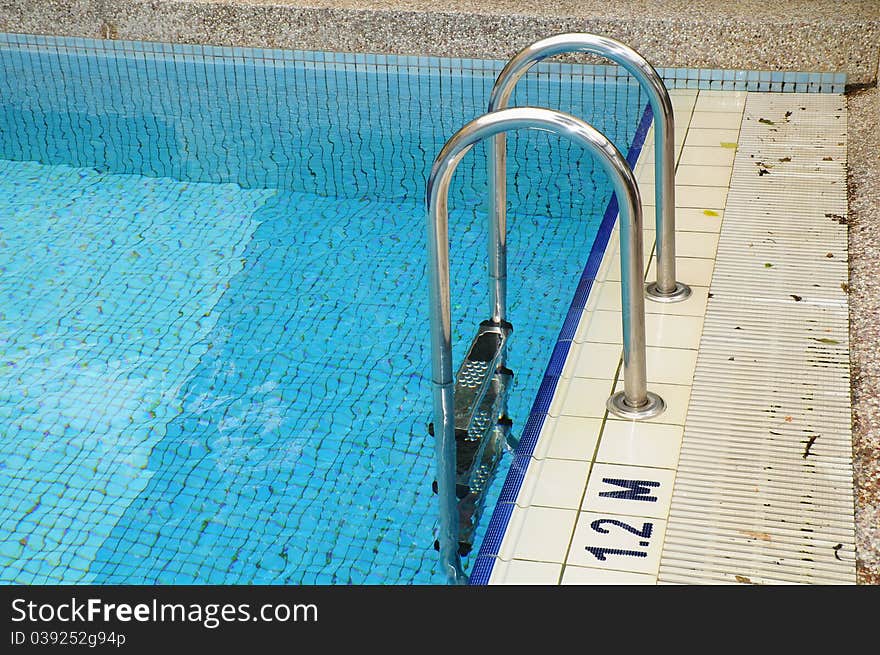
(764, 489)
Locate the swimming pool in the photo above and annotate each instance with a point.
(213, 332)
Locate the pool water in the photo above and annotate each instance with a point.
(214, 362)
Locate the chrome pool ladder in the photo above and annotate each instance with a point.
(666, 288)
(455, 400)
(482, 426)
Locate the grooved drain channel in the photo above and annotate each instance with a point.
(764, 489)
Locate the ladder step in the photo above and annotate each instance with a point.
(477, 371)
(482, 429)
(470, 443)
(472, 504)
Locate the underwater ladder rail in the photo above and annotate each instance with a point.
(477, 398)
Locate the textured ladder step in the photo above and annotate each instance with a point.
(475, 375)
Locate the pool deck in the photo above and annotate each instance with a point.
(747, 475)
(790, 35)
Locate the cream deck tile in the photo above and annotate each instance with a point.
(581, 397)
(716, 120)
(598, 361)
(690, 270)
(613, 542)
(568, 437)
(554, 483)
(687, 175)
(706, 156)
(701, 197)
(710, 137)
(696, 244)
(696, 219)
(694, 305)
(613, 271)
(676, 396)
(680, 135)
(718, 97)
(629, 490)
(638, 444)
(670, 365)
(672, 331)
(579, 575)
(525, 572)
(601, 327)
(703, 175)
(538, 533)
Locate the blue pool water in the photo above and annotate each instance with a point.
(214, 360)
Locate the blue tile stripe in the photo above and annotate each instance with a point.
(674, 78)
(488, 552)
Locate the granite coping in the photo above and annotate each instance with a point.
(863, 187)
(786, 35)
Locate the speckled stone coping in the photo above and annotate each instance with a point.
(864, 288)
(785, 35)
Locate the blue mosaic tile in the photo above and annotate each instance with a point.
(482, 570)
(557, 358)
(218, 501)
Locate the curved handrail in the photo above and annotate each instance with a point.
(666, 288)
(635, 401)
